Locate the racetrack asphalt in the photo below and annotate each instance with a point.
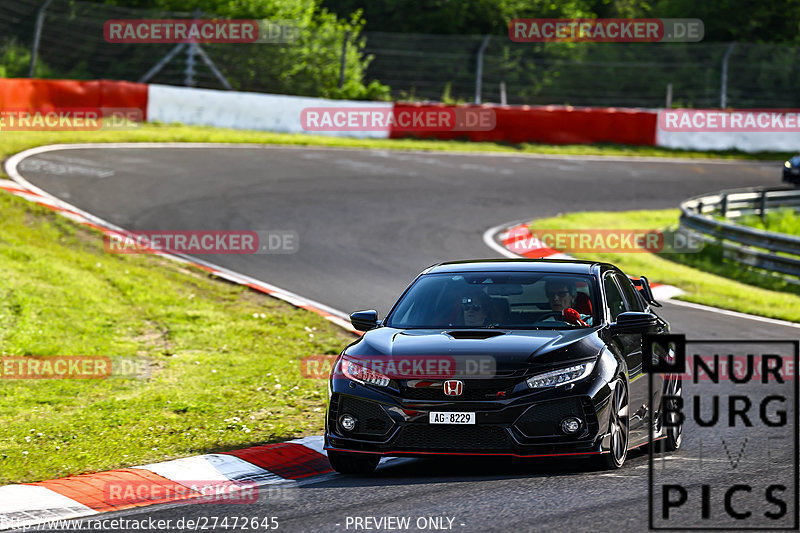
(368, 222)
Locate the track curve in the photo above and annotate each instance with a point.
(368, 222)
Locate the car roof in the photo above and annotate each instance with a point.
(562, 266)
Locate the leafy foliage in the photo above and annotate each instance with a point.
(309, 65)
(15, 61)
(777, 21)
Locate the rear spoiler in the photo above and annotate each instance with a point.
(644, 289)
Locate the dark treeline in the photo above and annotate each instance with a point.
(426, 50)
(756, 21)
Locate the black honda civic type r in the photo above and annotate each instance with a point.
(503, 357)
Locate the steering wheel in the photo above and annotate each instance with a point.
(548, 315)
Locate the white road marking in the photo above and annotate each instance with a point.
(664, 292)
(210, 468)
(735, 314)
(26, 505)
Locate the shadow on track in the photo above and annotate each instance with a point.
(448, 469)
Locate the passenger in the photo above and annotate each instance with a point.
(561, 294)
(477, 308)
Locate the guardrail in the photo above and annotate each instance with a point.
(764, 250)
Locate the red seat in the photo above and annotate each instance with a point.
(583, 304)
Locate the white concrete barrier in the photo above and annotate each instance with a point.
(744, 141)
(245, 111)
(282, 113)
(748, 130)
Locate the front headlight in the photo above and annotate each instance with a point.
(560, 376)
(787, 164)
(362, 374)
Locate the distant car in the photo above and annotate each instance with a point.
(791, 170)
(502, 357)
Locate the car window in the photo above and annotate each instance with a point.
(629, 293)
(616, 304)
(509, 300)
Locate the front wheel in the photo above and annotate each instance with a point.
(353, 463)
(618, 425)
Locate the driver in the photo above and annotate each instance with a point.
(561, 294)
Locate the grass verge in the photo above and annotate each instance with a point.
(784, 221)
(224, 360)
(703, 276)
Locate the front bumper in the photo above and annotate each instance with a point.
(791, 175)
(526, 425)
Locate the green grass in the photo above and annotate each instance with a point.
(703, 276)
(224, 360)
(16, 141)
(779, 221)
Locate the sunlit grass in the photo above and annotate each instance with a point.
(704, 276)
(779, 221)
(224, 360)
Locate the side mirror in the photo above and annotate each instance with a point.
(647, 292)
(634, 322)
(364, 320)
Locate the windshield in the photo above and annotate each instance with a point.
(507, 300)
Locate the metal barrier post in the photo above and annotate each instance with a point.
(770, 252)
(479, 69)
(37, 36)
(723, 96)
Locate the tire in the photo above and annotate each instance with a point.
(618, 428)
(674, 433)
(353, 463)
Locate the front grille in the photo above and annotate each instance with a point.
(474, 389)
(371, 419)
(444, 437)
(544, 419)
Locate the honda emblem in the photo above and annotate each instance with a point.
(453, 387)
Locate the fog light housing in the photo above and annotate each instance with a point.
(571, 425)
(348, 422)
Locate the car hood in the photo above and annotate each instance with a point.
(511, 350)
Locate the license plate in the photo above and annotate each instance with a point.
(446, 417)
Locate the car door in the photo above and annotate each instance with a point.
(635, 302)
(629, 346)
